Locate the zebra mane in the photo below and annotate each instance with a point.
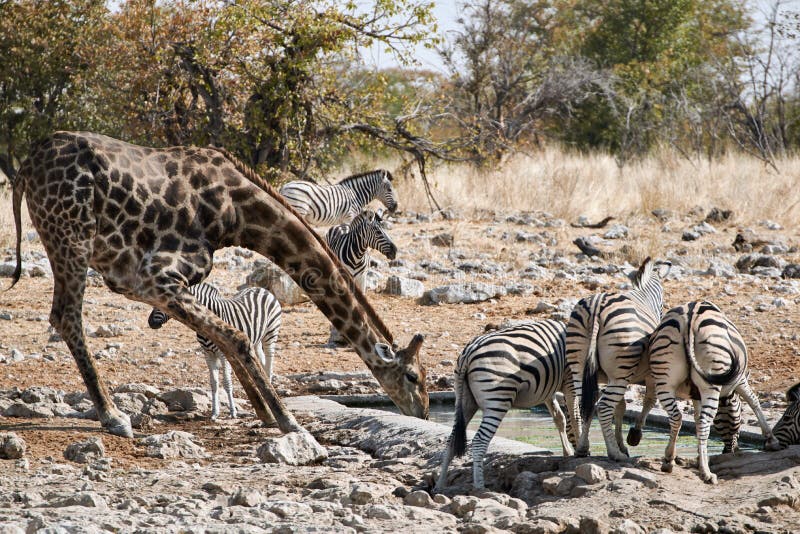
(356, 177)
(253, 176)
(644, 274)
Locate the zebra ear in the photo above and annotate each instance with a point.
(793, 395)
(379, 215)
(664, 268)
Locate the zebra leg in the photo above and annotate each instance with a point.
(619, 416)
(561, 424)
(267, 359)
(492, 417)
(704, 411)
(227, 383)
(670, 405)
(569, 400)
(744, 391)
(635, 431)
(611, 396)
(213, 361)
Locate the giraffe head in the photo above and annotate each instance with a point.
(403, 377)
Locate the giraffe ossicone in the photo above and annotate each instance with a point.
(149, 220)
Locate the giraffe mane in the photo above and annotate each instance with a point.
(253, 176)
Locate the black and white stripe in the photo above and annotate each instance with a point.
(517, 367)
(606, 338)
(696, 352)
(787, 429)
(728, 422)
(324, 205)
(254, 311)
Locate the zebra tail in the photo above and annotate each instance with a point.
(589, 388)
(459, 436)
(722, 379)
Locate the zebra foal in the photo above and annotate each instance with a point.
(606, 338)
(324, 205)
(697, 353)
(517, 367)
(254, 311)
(351, 244)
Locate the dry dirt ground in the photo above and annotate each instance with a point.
(170, 357)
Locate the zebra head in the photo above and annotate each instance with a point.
(787, 429)
(647, 284)
(386, 192)
(376, 235)
(157, 319)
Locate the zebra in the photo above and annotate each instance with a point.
(787, 429)
(254, 311)
(351, 242)
(607, 335)
(324, 205)
(728, 422)
(521, 366)
(697, 352)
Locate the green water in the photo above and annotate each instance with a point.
(537, 428)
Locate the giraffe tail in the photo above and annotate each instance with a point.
(18, 186)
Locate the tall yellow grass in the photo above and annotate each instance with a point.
(569, 184)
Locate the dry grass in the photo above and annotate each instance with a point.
(568, 185)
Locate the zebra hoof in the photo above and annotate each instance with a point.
(711, 478)
(582, 453)
(772, 444)
(666, 466)
(634, 436)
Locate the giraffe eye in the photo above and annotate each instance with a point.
(412, 377)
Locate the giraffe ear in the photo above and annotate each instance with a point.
(385, 352)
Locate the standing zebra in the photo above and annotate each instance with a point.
(520, 367)
(254, 311)
(787, 429)
(728, 422)
(324, 205)
(697, 352)
(351, 243)
(607, 335)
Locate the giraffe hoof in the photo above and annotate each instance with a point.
(666, 466)
(634, 436)
(772, 444)
(711, 478)
(119, 425)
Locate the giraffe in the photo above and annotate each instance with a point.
(149, 220)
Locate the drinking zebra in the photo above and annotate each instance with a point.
(254, 311)
(324, 205)
(517, 367)
(787, 429)
(606, 337)
(351, 244)
(697, 352)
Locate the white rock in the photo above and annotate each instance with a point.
(173, 444)
(590, 473)
(404, 287)
(639, 475)
(419, 498)
(246, 497)
(295, 448)
(11, 446)
(86, 451)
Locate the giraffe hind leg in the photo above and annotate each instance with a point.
(69, 274)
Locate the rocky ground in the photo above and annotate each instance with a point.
(458, 276)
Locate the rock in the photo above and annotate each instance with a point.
(690, 235)
(617, 231)
(173, 444)
(590, 473)
(628, 527)
(461, 505)
(463, 293)
(720, 268)
(30, 411)
(269, 276)
(717, 215)
(559, 486)
(442, 240)
(84, 452)
(749, 262)
(491, 512)
(294, 448)
(186, 400)
(419, 498)
(365, 493)
(792, 270)
(704, 228)
(144, 389)
(37, 394)
(592, 525)
(648, 479)
(525, 484)
(87, 499)
(12, 446)
(111, 330)
(404, 287)
(246, 497)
